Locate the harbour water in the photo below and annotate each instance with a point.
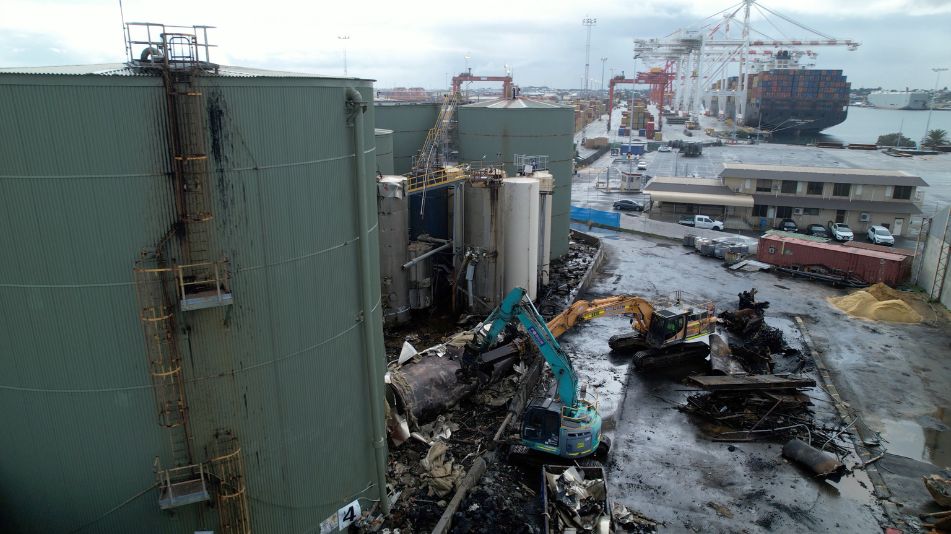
(864, 125)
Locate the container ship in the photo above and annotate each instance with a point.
(803, 100)
(899, 100)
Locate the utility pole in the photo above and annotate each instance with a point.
(588, 23)
(937, 71)
(603, 61)
(344, 38)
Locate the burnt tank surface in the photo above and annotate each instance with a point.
(195, 286)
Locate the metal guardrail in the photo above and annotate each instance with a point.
(436, 178)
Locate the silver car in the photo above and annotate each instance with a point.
(880, 236)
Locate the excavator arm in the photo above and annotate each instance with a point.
(516, 307)
(585, 310)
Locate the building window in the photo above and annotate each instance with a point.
(901, 192)
(840, 216)
(810, 211)
(841, 190)
(814, 188)
(764, 186)
(783, 212)
(759, 210)
(789, 186)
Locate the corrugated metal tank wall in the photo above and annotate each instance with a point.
(84, 187)
(384, 151)
(524, 126)
(410, 123)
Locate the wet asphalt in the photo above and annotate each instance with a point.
(664, 464)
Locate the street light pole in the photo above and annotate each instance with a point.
(937, 71)
(344, 38)
(603, 61)
(588, 23)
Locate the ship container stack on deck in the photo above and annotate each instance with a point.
(804, 100)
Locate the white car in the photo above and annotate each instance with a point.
(841, 231)
(701, 221)
(880, 236)
(664, 148)
(642, 165)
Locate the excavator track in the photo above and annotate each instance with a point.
(679, 355)
(628, 342)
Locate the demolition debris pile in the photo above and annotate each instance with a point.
(878, 303)
(747, 401)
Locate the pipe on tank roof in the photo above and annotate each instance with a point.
(373, 357)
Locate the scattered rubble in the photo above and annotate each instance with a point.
(576, 500)
(632, 521)
(444, 426)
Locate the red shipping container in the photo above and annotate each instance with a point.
(872, 266)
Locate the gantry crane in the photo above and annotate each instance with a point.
(704, 54)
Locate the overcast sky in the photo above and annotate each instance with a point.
(419, 43)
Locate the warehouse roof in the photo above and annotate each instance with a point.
(820, 174)
(124, 69)
(516, 103)
(835, 204)
(694, 191)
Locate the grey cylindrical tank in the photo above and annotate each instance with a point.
(84, 190)
(525, 126)
(484, 232)
(393, 213)
(384, 151)
(410, 122)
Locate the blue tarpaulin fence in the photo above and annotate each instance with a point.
(605, 218)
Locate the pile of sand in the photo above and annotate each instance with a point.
(879, 303)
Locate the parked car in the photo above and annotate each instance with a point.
(841, 231)
(817, 230)
(701, 221)
(664, 148)
(629, 205)
(642, 165)
(788, 225)
(880, 236)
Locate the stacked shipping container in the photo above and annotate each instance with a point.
(809, 100)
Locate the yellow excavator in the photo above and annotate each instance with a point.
(664, 336)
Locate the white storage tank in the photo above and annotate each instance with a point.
(520, 250)
(393, 213)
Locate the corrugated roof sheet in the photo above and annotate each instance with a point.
(836, 204)
(834, 247)
(820, 174)
(124, 69)
(690, 185)
(516, 103)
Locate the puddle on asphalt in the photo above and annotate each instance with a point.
(928, 438)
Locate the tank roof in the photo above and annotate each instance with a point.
(516, 103)
(124, 69)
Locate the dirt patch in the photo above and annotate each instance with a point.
(878, 303)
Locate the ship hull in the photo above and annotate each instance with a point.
(908, 101)
(797, 100)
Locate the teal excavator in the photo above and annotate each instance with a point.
(565, 425)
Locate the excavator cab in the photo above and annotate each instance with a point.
(666, 326)
(550, 426)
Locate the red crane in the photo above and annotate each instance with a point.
(469, 77)
(660, 81)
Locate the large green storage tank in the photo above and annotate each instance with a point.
(384, 151)
(530, 127)
(85, 186)
(410, 122)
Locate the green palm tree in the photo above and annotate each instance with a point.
(936, 137)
